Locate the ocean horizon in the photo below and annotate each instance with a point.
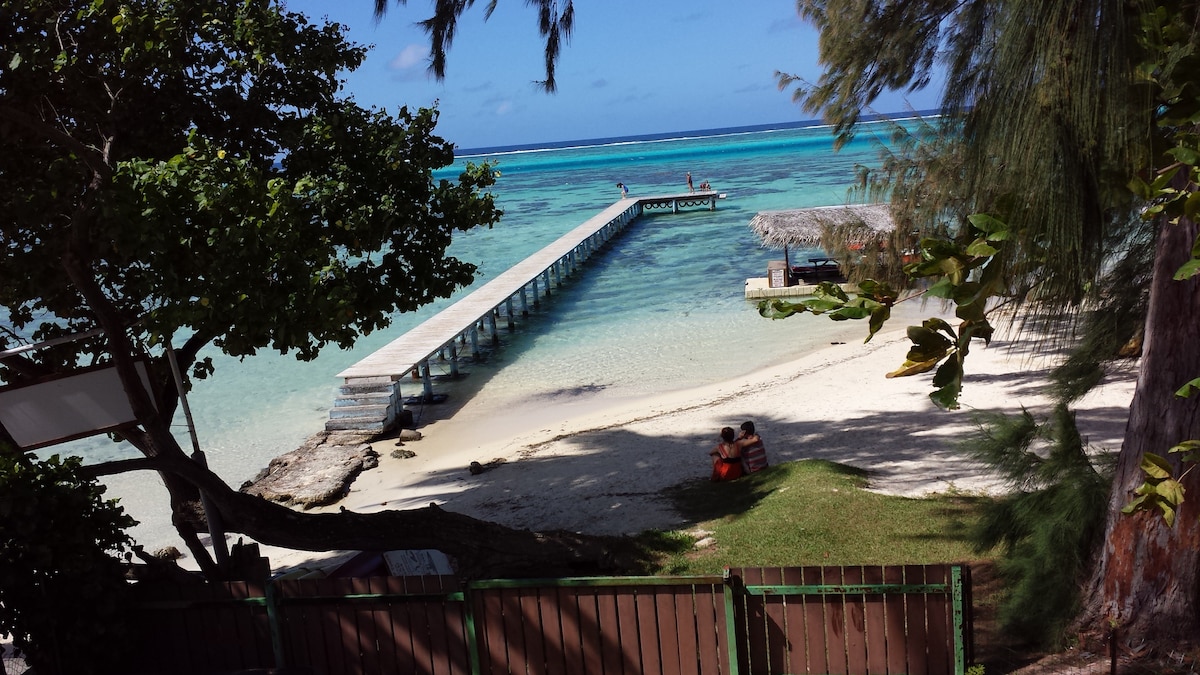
(659, 308)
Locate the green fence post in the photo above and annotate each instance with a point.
(957, 601)
(472, 636)
(273, 624)
(730, 625)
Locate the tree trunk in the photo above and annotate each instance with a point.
(480, 549)
(1145, 583)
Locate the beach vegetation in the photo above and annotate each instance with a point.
(62, 553)
(1047, 526)
(1072, 125)
(183, 178)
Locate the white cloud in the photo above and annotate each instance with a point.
(410, 56)
(504, 108)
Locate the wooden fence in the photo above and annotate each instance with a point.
(819, 620)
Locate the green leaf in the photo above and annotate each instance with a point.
(1168, 513)
(942, 289)
(879, 316)
(850, 312)
(927, 344)
(987, 224)
(1187, 389)
(946, 398)
(1185, 154)
(950, 373)
(980, 248)
(1189, 449)
(1189, 269)
(1155, 466)
(14, 62)
(1171, 491)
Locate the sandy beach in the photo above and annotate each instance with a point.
(595, 465)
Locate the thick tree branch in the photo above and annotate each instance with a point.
(95, 159)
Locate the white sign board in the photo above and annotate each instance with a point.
(69, 407)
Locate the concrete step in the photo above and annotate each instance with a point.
(359, 411)
(355, 425)
(365, 398)
(366, 388)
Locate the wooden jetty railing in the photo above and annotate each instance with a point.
(854, 620)
(370, 398)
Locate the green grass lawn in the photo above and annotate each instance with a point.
(812, 512)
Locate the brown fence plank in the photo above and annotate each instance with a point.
(345, 629)
(784, 623)
(894, 620)
(685, 610)
(939, 622)
(856, 622)
(589, 630)
(444, 644)
(550, 607)
(514, 630)
(710, 617)
(835, 624)
(875, 622)
(751, 625)
(915, 615)
(668, 629)
(490, 631)
(573, 633)
(608, 637)
(538, 640)
(650, 650)
(628, 630)
(363, 621)
(254, 621)
(383, 621)
(814, 637)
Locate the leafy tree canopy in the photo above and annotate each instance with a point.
(190, 172)
(190, 169)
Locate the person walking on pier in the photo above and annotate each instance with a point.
(689, 181)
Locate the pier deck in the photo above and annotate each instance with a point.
(370, 395)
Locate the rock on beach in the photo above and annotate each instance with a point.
(317, 473)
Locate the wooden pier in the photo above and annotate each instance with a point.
(370, 398)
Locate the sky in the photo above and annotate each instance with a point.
(631, 67)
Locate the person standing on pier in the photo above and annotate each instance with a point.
(689, 181)
(624, 190)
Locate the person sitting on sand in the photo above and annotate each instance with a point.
(751, 449)
(727, 461)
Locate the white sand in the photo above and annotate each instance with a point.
(599, 466)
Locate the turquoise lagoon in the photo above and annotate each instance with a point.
(661, 307)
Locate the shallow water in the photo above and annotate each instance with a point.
(661, 307)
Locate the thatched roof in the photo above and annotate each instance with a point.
(804, 227)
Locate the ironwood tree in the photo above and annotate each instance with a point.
(189, 174)
(1051, 109)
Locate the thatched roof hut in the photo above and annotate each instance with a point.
(804, 228)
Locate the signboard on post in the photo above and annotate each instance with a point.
(777, 274)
